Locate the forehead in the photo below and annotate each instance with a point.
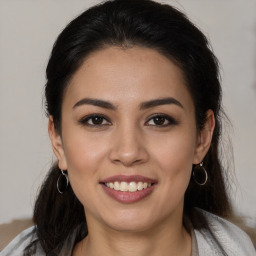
(133, 74)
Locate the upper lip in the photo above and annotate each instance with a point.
(128, 178)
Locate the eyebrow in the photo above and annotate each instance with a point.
(95, 102)
(159, 102)
(143, 105)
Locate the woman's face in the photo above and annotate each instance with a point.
(128, 122)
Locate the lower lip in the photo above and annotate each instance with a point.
(128, 197)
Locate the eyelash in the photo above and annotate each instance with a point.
(171, 120)
(85, 120)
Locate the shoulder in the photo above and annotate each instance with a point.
(222, 236)
(17, 246)
(19, 243)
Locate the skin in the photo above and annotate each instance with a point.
(130, 142)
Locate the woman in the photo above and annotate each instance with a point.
(134, 104)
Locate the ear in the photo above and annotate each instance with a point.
(57, 145)
(204, 138)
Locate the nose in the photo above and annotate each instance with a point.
(129, 147)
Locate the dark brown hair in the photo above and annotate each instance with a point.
(128, 23)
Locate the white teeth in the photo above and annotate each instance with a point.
(140, 185)
(116, 185)
(125, 186)
(132, 187)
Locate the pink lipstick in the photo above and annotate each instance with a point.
(128, 189)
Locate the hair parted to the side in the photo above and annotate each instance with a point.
(128, 23)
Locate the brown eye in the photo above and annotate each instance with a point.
(161, 120)
(94, 120)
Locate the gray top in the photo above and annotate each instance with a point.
(221, 239)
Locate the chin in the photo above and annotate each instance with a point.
(129, 221)
(130, 227)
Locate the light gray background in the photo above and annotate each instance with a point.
(28, 30)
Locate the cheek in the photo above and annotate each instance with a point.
(84, 156)
(83, 150)
(175, 157)
(177, 147)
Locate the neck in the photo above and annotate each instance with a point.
(164, 240)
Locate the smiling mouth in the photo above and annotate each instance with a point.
(128, 186)
(128, 189)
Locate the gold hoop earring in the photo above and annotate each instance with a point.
(200, 175)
